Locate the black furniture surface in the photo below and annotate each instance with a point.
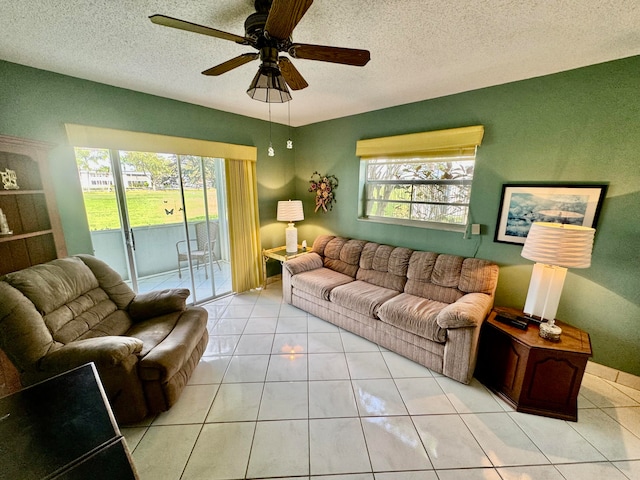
(62, 428)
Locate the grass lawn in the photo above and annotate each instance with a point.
(147, 207)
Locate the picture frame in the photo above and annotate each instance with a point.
(523, 204)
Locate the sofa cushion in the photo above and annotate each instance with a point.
(53, 284)
(320, 282)
(343, 255)
(478, 276)
(361, 297)
(384, 266)
(434, 276)
(414, 314)
(320, 243)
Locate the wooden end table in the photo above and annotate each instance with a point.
(532, 374)
(280, 254)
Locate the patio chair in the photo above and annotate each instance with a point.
(203, 247)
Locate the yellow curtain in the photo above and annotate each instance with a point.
(244, 224)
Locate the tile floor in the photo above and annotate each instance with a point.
(282, 394)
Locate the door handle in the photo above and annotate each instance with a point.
(133, 239)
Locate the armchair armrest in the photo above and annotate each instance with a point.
(468, 311)
(103, 351)
(304, 263)
(159, 302)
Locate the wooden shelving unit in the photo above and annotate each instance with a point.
(31, 210)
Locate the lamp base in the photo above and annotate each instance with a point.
(550, 331)
(291, 235)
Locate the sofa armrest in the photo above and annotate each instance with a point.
(304, 263)
(103, 351)
(159, 302)
(468, 311)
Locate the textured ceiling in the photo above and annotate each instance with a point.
(420, 49)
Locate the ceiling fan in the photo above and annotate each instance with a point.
(268, 30)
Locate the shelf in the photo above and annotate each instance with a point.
(21, 192)
(21, 236)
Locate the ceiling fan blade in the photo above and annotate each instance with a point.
(284, 15)
(231, 64)
(195, 28)
(291, 74)
(346, 56)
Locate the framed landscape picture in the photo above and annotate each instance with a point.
(523, 204)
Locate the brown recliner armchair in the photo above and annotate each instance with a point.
(71, 311)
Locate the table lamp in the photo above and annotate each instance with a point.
(554, 247)
(290, 211)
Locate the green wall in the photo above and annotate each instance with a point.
(577, 126)
(36, 104)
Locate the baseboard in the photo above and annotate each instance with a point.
(613, 375)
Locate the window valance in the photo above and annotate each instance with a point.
(98, 137)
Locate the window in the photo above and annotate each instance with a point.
(419, 179)
(419, 189)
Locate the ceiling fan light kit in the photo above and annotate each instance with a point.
(269, 30)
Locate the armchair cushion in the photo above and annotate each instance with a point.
(157, 303)
(103, 351)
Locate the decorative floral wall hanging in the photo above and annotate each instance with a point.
(324, 188)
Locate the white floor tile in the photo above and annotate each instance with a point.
(317, 325)
(631, 469)
(354, 343)
(357, 476)
(449, 443)
(472, 398)
(471, 474)
(192, 406)
(164, 451)
(530, 473)
(610, 438)
(133, 435)
(423, 396)
(401, 367)
(236, 402)
(228, 326)
(247, 368)
(503, 441)
(279, 449)
(328, 366)
(324, 343)
(394, 444)
(210, 370)
(287, 310)
(262, 310)
(221, 452)
(600, 392)
(628, 417)
(557, 440)
(284, 400)
(331, 399)
(378, 397)
(287, 368)
(261, 325)
(416, 475)
(237, 311)
(367, 365)
(590, 471)
(290, 343)
(251, 344)
(337, 446)
(292, 325)
(221, 345)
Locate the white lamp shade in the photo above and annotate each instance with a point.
(558, 244)
(290, 211)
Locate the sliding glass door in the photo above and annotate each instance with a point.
(159, 219)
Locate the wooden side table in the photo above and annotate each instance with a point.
(280, 254)
(530, 373)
